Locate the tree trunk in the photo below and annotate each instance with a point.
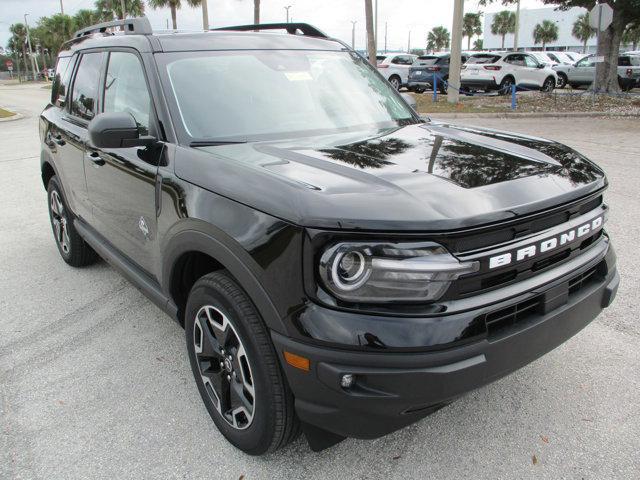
(502, 42)
(469, 43)
(371, 45)
(584, 46)
(256, 13)
(608, 47)
(544, 47)
(174, 20)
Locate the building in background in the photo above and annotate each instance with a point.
(528, 21)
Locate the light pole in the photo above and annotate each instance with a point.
(287, 9)
(205, 15)
(517, 29)
(453, 92)
(34, 62)
(61, 8)
(409, 43)
(385, 37)
(353, 34)
(375, 29)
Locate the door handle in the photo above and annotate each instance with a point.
(97, 160)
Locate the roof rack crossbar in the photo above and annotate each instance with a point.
(132, 26)
(291, 28)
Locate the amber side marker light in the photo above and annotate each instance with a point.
(297, 361)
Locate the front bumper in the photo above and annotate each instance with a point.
(395, 389)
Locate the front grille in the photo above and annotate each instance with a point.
(499, 320)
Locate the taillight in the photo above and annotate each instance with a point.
(433, 69)
(492, 67)
(629, 72)
(383, 66)
(463, 67)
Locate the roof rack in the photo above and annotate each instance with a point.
(131, 26)
(291, 28)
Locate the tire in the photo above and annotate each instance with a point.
(625, 85)
(562, 80)
(548, 85)
(73, 249)
(505, 85)
(442, 86)
(395, 82)
(246, 395)
(575, 86)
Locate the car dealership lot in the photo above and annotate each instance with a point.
(95, 382)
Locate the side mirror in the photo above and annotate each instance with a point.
(410, 99)
(116, 130)
(542, 65)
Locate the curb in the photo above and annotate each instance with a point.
(446, 116)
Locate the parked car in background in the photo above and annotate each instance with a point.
(395, 68)
(421, 73)
(542, 57)
(498, 71)
(583, 72)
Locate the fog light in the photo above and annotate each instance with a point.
(347, 380)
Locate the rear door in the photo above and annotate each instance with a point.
(71, 135)
(122, 181)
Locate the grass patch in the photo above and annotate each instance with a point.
(5, 113)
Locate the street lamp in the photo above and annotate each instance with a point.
(34, 61)
(287, 9)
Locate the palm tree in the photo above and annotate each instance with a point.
(53, 31)
(85, 18)
(545, 32)
(471, 26)
(504, 22)
(256, 12)
(174, 5)
(582, 30)
(438, 38)
(371, 44)
(631, 35)
(111, 9)
(18, 43)
(478, 44)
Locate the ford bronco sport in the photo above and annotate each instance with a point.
(342, 267)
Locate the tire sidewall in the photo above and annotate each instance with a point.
(257, 437)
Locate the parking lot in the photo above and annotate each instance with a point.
(95, 381)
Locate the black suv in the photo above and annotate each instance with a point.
(341, 266)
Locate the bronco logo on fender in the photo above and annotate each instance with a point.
(547, 244)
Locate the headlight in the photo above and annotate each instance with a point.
(390, 272)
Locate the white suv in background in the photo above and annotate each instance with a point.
(395, 68)
(500, 70)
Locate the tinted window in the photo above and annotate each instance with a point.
(125, 88)
(61, 81)
(425, 60)
(553, 57)
(624, 61)
(515, 60)
(85, 86)
(402, 60)
(483, 59)
(380, 58)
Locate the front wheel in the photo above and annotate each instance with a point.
(236, 367)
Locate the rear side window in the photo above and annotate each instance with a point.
(85, 86)
(125, 88)
(61, 81)
(483, 59)
(402, 60)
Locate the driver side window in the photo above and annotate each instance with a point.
(125, 89)
(530, 61)
(585, 62)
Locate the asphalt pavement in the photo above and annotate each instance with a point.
(95, 381)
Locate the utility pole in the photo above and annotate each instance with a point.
(34, 62)
(61, 8)
(287, 9)
(353, 34)
(453, 92)
(517, 29)
(124, 9)
(205, 15)
(385, 37)
(375, 29)
(409, 43)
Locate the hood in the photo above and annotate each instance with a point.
(420, 177)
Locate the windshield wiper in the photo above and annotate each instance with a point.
(215, 143)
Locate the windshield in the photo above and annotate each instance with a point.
(268, 94)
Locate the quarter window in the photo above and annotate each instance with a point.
(125, 89)
(85, 86)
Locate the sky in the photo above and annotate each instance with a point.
(334, 17)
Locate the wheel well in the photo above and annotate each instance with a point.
(47, 173)
(508, 76)
(562, 74)
(189, 267)
(395, 75)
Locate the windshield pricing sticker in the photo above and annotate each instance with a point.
(298, 76)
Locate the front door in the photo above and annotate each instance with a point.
(121, 181)
(584, 72)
